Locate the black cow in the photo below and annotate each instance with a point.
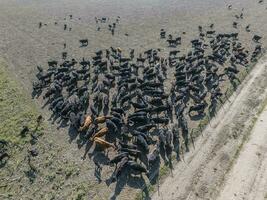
(84, 42)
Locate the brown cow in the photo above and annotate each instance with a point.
(101, 119)
(87, 122)
(100, 133)
(103, 143)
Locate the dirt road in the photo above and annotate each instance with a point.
(248, 177)
(206, 169)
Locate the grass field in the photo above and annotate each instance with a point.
(16, 110)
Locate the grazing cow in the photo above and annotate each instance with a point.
(104, 144)
(248, 28)
(118, 158)
(87, 122)
(84, 42)
(111, 126)
(256, 38)
(174, 42)
(100, 133)
(153, 156)
(168, 145)
(140, 141)
(24, 131)
(120, 167)
(64, 55)
(75, 120)
(136, 167)
(124, 146)
(162, 34)
(235, 24)
(3, 155)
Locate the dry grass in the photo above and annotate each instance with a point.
(16, 110)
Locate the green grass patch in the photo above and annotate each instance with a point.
(16, 109)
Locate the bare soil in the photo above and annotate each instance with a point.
(23, 45)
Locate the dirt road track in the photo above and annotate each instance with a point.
(248, 177)
(205, 169)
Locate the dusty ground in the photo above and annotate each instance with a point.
(24, 46)
(248, 177)
(205, 171)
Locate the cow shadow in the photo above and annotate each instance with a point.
(73, 133)
(100, 159)
(128, 179)
(153, 172)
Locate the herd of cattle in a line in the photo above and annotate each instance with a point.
(121, 103)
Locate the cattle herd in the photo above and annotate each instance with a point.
(132, 107)
(101, 23)
(111, 24)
